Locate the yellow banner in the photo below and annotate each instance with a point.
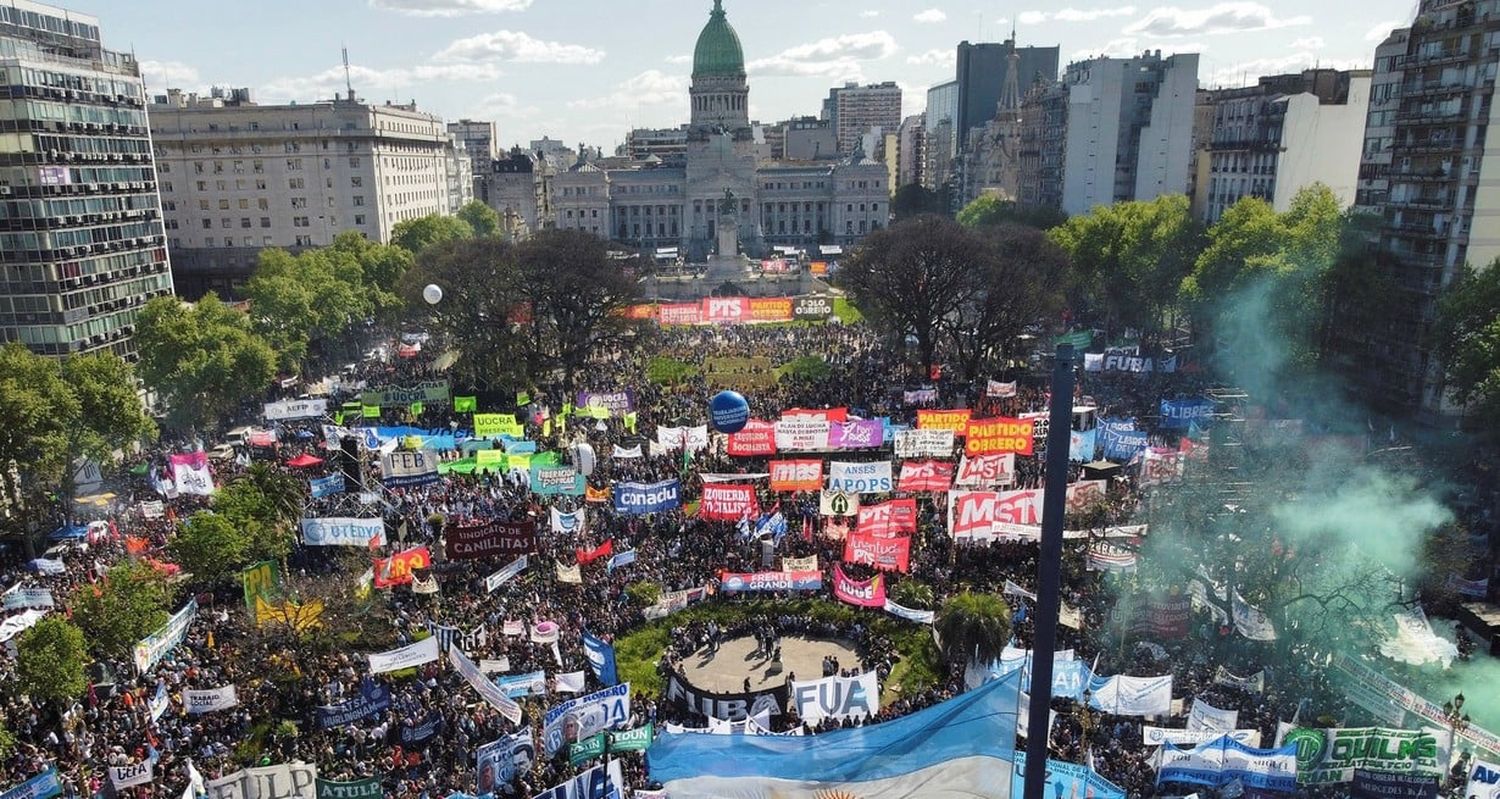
(497, 424)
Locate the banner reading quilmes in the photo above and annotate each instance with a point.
(1330, 755)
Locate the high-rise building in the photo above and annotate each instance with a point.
(809, 139)
(913, 150)
(854, 110)
(1376, 155)
(668, 144)
(81, 236)
(237, 177)
(1442, 209)
(1129, 128)
(1283, 134)
(478, 139)
(1042, 149)
(982, 72)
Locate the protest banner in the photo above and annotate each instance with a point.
(372, 699)
(884, 553)
(638, 498)
(153, 647)
(860, 593)
(757, 439)
(841, 698)
(504, 575)
(928, 476)
(771, 700)
(295, 409)
(581, 717)
(733, 583)
(414, 654)
(122, 777)
(801, 433)
(570, 523)
(857, 434)
(556, 480)
(923, 443)
(490, 425)
(955, 420)
(796, 475)
(986, 471)
(618, 403)
(887, 519)
(996, 389)
(433, 391)
(284, 781)
(493, 538)
(838, 503)
(812, 309)
(368, 788)
(728, 502)
(191, 475)
(1484, 780)
(1329, 755)
(861, 478)
(397, 569)
(998, 436)
(196, 701)
(343, 532)
(1156, 736)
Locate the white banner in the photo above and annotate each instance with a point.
(17, 598)
(578, 718)
(406, 468)
(568, 523)
(918, 616)
(504, 575)
(423, 651)
(193, 477)
(1250, 622)
(295, 409)
(151, 648)
(861, 478)
(837, 697)
(838, 503)
(801, 434)
(621, 453)
(1133, 696)
(1156, 736)
(284, 781)
(207, 701)
(985, 471)
(1207, 718)
(569, 683)
(128, 776)
(19, 623)
(569, 574)
(1484, 780)
(342, 531)
(489, 691)
(923, 443)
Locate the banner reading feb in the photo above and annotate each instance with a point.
(998, 435)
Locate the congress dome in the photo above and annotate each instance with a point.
(718, 51)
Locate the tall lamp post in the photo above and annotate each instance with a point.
(1088, 721)
(1458, 721)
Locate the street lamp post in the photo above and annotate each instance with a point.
(1458, 721)
(1087, 721)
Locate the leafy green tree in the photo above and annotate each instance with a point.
(296, 300)
(576, 296)
(203, 359)
(209, 546)
(416, 235)
(39, 416)
(264, 504)
(129, 603)
(913, 594)
(481, 281)
(1129, 260)
(481, 218)
(50, 661)
(914, 200)
(1467, 336)
(110, 414)
(7, 742)
(974, 626)
(990, 209)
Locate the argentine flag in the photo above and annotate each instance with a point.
(960, 749)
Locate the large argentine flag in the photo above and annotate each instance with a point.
(960, 749)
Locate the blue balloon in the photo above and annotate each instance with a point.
(728, 411)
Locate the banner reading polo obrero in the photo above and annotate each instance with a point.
(923, 443)
(961, 747)
(757, 439)
(919, 476)
(797, 475)
(295, 409)
(886, 554)
(638, 498)
(734, 583)
(495, 537)
(579, 718)
(997, 436)
(860, 593)
(342, 531)
(401, 468)
(986, 471)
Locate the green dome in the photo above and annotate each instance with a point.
(718, 51)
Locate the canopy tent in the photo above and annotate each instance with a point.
(304, 461)
(69, 532)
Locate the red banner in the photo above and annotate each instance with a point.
(726, 310)
(981, 514)
(888, 518)
(955, 420)
(728, 501)
(925, 476)
(886, 554)
(830, 415)
(757, 439)
(797, 475)
(771, 309)
(1085, 493)
(591, 494)
(680, 313)
(587, 556)
(862, 593)
(396, 569)
(986, 471)
(998, 435)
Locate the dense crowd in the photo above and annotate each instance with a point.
(424, 745)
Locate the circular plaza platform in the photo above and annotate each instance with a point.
(736, 660)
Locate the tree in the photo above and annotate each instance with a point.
(39, 417)
(1467, 337)
(1024, 281)
(7, 742)
(913, 594)
(263, 503)
(1129, 260)
(50, 661)
(915, 200)
(209, 546)
(576, 296)
(296, 300)
(990, 209)
(203, 358)
(110, 414)
(481, 218)
(974, 626)
(129, 603)
(416, 235)
(481, 281)
(912, 276)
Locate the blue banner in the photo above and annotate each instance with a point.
(1120, 440)
(554, 480)
(591, 784)
(42, 786)
(601, 657)
(620, 559)
(517, 446)
(418, 734)
(327, 486)
(1066, 779)
(441, 439)
(640, 498)
(373, 698)
(954, 748)
(1224, 760)
(1081, 444)
(1180, 413)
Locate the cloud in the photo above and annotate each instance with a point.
(835, 57)
(1382, 30)
(652, 87)
(1232, 17)
(942, 56)
(679, 59)
(1246, 73)
(449, 8)
(931, 15)
(1123, 47)
(871, 14)
(518, 46)
(1073, 15)
(169, 75)
(322, 85)
(1310, 43)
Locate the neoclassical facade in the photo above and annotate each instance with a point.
(654, 203)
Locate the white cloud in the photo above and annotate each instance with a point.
(871, 14)
(450, 8)
(1382, 30)
(652, 87)
(169, 75)
(1310, 43)
(1246, 73)
(679, 59)
(942, 56)
(931, 15)
(518, 46)
(1231, 17)
(1123, 47)
(1073, 15)
(835, 57)
(323, 85)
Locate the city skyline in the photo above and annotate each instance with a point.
(537, 68)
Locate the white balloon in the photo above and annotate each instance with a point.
(433, 294)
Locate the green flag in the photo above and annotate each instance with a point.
(338, 418)
(416, 408)
(523, 398)
(368, 788)
(586, 749)
(261, 579)
(1080, 340)
(634, 740)
(465, 404)
(371, 411)
(630, 418)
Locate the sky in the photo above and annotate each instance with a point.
(590, 70)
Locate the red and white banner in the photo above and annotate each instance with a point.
(984, 515)
(886, 554)
(831, 415)
(997, 389)
(925, 476)
(863, 593)
(679, 313)
(728, 502)
(888, 518)
(396, 570)
(726, 310)
(1160, 465)
(1085, 493)
(986, 471)
(797, 475)
(758, 438)
(802, 434)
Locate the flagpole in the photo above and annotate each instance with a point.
(1049, 569)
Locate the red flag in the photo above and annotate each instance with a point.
(807, 528)
(604, 550)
